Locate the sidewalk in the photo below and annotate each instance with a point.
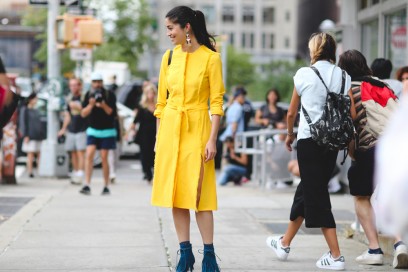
(61, 230)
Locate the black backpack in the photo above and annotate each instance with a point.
(335, 128)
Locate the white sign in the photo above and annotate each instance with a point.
(78, 54)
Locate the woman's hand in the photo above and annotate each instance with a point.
(289, 141)
(210, 151)
(265, 122)
(26, 139)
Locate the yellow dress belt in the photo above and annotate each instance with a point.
(183, 110)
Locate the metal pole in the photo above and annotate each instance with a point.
(53, 60)
(53, 66)
(53, 160)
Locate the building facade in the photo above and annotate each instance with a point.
(17, 43)
(378, 28)
(266, 29)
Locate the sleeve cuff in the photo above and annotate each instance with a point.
(157, 113)
(219, 112)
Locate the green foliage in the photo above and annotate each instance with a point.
(37, 17)
(277, 74)
(127, 36)
(240, 70)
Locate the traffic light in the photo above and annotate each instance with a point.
(90, 32)
(78, 31)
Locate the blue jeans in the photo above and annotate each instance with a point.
(229, 172)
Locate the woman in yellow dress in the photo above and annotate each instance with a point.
(190, 86)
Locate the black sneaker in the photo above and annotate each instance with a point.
(85, 190)
(105, 191)
(31, 175)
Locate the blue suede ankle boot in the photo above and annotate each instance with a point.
(187, 259)
(209, 261)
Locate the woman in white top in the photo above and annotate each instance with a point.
(316, 163)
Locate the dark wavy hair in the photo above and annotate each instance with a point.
(355, 64)
(30, 97)
(272, 91)
(381, 68)
(183, 15)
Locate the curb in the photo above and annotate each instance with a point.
(13, 227)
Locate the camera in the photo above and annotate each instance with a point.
(98, 95)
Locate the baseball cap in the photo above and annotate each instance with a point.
(96, 76)
(239, 91)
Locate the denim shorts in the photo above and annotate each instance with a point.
(102, 143)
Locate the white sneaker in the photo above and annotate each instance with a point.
(400, 257)
(367, 258)
(274, 242)
(76, 178)
(327, 262)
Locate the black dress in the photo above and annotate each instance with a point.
(273, 117)
(146, 139)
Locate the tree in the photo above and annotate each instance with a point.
(277, 74)
(240, 70)
(127, 32)
(35, 16)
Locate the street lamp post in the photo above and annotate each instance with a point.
(53, 162)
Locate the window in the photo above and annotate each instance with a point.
(263, 40)
(243, 38)
(363, 4)
(228, 14)
(252, 40)
(396, 38)
(369, 40)
(269, 15)
(287, 16)
(248, 14)
(287, 42)
(231, 38)
(272, 41)
(209, 13)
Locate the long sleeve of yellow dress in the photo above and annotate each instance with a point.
(195, 87)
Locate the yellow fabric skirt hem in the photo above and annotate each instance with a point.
(184, 207)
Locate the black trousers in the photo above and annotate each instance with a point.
(147, 158)
(312, 199)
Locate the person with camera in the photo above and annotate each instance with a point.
(74, 127)
(100, 107)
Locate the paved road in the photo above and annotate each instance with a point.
(61, 230)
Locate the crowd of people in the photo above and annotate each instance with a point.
(179, 132)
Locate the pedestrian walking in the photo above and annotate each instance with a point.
(382, 69)
(100, 107)
(373, 102)
(184, 174)
(32, 132)
(74, 127)
(316, 163)
(146, 132)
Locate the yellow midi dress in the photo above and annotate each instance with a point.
(193, 82)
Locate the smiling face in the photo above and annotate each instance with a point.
(176, 34)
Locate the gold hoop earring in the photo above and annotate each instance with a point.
(188, 39)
